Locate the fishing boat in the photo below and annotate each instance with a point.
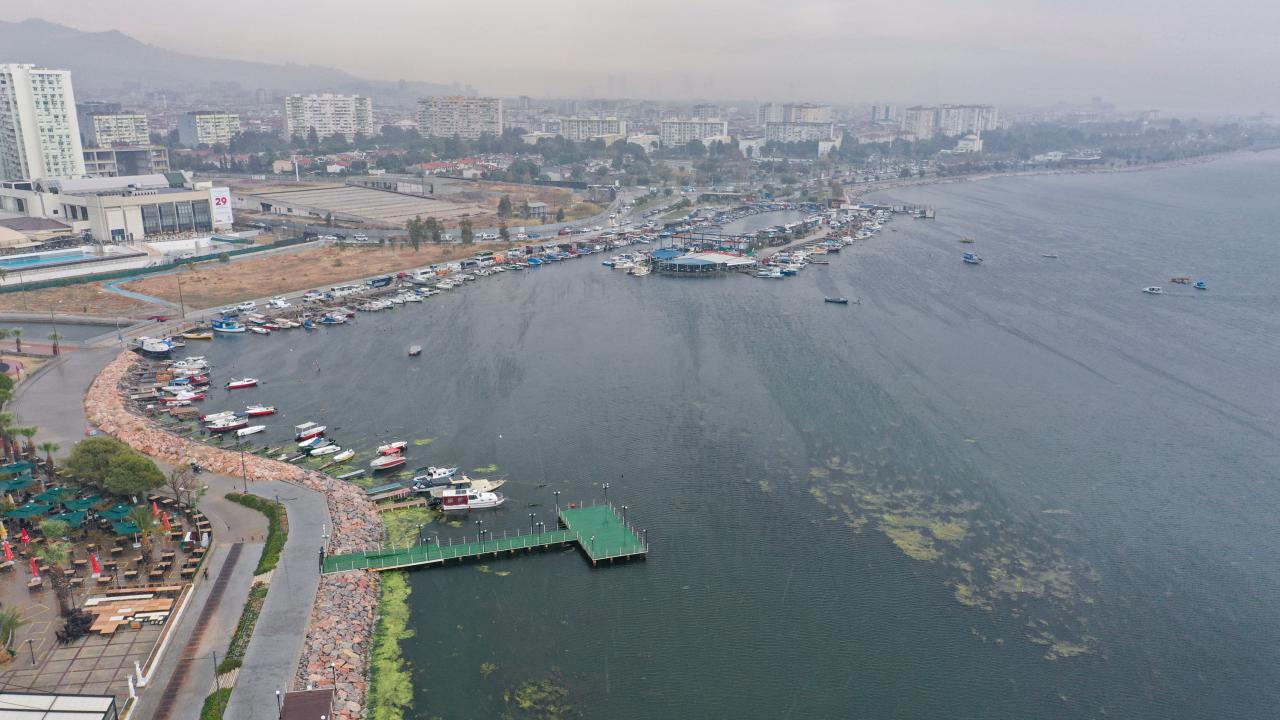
(232, 423)
(198, 335)
(153, 348)
(436, 473)
(458, 482)
(344, 456)
(1200, 285)
(273, 325)
(326, 450)
(313, 442)
(227, 326)
(1153, 290)
(307, 430)
(1181, 280)
(386, 462)
(971, 259)
(215, 417)
(1051, 256)
(259, 410)
(393, 447)
(459, 500)
(259, 330)
(415, 350)
(242, 383)
(332, 320)
(251, 430)
(837, 300)
(308, 324)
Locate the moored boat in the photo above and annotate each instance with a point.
(386, 462)
(457, 500)
(251, 430)
(258, 410)
(344, 456)
(214, 417)
(259, 330)
(325, 450)
(1153, 290)
(232, 423)
(227, 326)
(313, 442)
(307, 430)
(392, 447)
(242, 383)
(198, 335)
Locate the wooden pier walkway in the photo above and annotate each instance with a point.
(597, 530)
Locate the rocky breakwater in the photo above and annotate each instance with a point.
(343, 615)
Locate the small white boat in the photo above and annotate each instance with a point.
(438, 473)
(386, 462)
(251, 430)
(1153, 290)
(415, 350)
(455, 500)
(393, 447)
(344, 456)
(257, 410)
(325, 450)
(229, 424)
(307, 430)
(241, 383)
(313, 442)
(259, 330)
(215, 417)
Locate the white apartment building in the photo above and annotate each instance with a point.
(39, 132)
(207, 127)
(103, 130)
(792, 132)
(792, 113)
(920, 121)
(328, 115)
(950, 120)
(674, 133)
(579, 129)
(465, 117)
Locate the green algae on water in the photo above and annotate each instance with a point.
(485, 470)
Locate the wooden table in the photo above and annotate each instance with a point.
(130, 574)
(76, 582)
(188, 572)
(116, 551)
(110, 565)
(6, 566)
(105, 579)
(167, 555)
(156, 575)
(35, 583)
(79, 563)
(164, 565)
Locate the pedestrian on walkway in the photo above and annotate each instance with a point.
(206, 573)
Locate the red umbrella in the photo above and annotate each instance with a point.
(25, 537)
(155, 508)
(164, 520)
(35, 569)
(93, 564)
(8, 552)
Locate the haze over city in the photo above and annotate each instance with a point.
(1204, 58)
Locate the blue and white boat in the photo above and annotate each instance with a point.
(226, 325)
(154, 348)
(331, 319)
(308, 324)
(1200, 285)
(971, 259)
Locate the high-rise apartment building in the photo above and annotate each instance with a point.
(39, 133)
(674, 133)
(790, 132)
(99, 130)
(792, 112)
(705, 111)
(950, 120)
(580, 129)
(328, 115)
(208, 127)
(465, 117)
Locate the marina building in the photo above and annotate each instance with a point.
(39, 131)
(675, 133)
(464, 117)
(328, 115)
(208, 127)
(579, 129)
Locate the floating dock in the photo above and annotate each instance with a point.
(598, 530)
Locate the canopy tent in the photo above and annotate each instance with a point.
(19, 483)
(125, 528)
(15, 468)
(29, 510)
(116, 513)
(74, 519)
(55, 495)
(82, 503)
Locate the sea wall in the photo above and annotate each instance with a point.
(342, 616)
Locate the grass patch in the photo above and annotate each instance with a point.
(391, 687)
(277, 532)
(215, 704)
(244, 629)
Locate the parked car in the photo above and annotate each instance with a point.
(247, 306)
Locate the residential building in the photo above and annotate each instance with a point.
(705, 111)
(650, 143)
(792, 112)
(579, 128)
(121, 209)
(950, 120)
(104, 129)
(791, 132)
(208, 127)
(126, 160)
(39, 132)
(465, 117)
(920, 121)
(970, 143)
(675, 133)
(532, 138)
(328, 115)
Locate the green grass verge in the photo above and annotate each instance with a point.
(276, 531)
(244, 629)
(391, 687)
(215, 704)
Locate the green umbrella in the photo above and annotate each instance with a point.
(54, 495)
(29, 510)
(74, 519)
(19, 483)
(15, 468)
(125, 528)
(116, 513)
(82, 503)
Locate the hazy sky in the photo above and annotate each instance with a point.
(1172, 54)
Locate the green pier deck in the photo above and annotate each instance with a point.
(597, 530)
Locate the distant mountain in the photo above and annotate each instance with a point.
(106, 61)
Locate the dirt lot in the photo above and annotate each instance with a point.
(89, 299)
(216, 284)
(488, 194)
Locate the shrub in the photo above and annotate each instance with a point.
(277, 533)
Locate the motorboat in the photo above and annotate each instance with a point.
(458, 500)
(457, 482)
(971, 259)
(641, 270)
(215, 417)
(227, 326)
(344, 456)
(232, 423)
(190, 363)
(415, 350)
(308, 324)
(393, 447)
(1181, 280)
(255, 318)
(1051, 256)
(332, 319)
(326, 450)
(251, 430)
(437, 473)
(259, 330)
(198, 335)
(1153, 290)
(1200, 285)
(773, 274)
(242, 383)
(313, 442)
(386, 462)
(837, 300)
(154, 348)
(307, 430)
(259, 410)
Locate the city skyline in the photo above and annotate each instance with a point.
(914, 52)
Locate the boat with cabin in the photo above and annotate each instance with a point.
(229, 424)
(971, 259)
(462, 500)
(1153, 290)
(242, 383)
(259, 410)
(307, 430)
(392, 447)
(837, 300)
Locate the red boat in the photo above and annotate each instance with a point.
(185, 397)
(226, 425)
(258, 410)
(392, 448)
(243, 383)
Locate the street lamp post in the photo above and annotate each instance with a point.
(334, 668)
(557, 494)
(216, 681)
(32, 647)
(606, 492)
(244, 473)
(624, 514)
(532, 518)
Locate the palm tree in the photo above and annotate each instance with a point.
(49, 447)
(28, 433)
(55, 336)
(6, 433)
(10, 621)
(56, 553)
(147, 529)
(17, 338)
